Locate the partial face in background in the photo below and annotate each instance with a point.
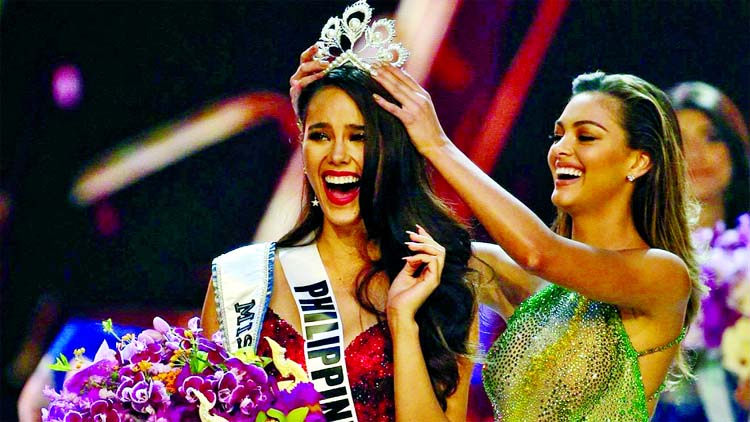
(707, 156)
(333, 150)
(589, 157)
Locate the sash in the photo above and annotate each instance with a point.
(321, 328)
(242, 281)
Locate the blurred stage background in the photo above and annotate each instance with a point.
(172, 91)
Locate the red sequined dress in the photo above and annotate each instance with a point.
(369, 363)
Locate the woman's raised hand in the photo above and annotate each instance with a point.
(308, 71)
(417, 112)
(408, 290)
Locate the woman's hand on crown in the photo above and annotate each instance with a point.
(308, 71)
(417, 111)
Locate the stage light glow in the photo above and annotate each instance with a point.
(158, 148)
(67, 86)
(421, 26)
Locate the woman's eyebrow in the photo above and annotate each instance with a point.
(589, 122)
(320, 125)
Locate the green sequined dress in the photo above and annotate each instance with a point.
(564, 358)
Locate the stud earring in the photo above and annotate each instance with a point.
(630, 178)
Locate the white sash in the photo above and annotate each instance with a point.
(242, 281)
(321, 328)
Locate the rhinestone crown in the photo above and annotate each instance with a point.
(349, 40)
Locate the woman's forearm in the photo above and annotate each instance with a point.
(414, 396)
(507, 220)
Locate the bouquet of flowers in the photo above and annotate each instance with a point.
(171, 374)
(723, 327)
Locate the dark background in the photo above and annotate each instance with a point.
(146, 63)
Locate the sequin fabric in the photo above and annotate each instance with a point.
(564, 358)
(369, 363)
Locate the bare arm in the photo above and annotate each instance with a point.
(626, 278)
(503, 284)
(414, 395)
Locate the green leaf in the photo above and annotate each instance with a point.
(264, 361)
(61, 364)
(199, 362)
(278, 414)
(261, 417)
(107, 326)
(297, 415)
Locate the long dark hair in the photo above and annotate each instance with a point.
(732, 130)
(662, 208)
(395, 195)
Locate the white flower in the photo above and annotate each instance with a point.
(735, 348)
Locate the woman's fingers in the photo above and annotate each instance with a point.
(414, 262)
(308, 68)
(308, 54)
(416, 112)
(308, 71)
(424, 238)
(306, 74)
(426, 248)
(403, 77)
(423, 243)
(407, 96)
(307, 80)
(390, 107)
(401, 86)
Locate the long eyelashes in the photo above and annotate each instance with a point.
(584, 138)
(321, 136)
(317, 136)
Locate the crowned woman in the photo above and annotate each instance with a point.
(370, 290)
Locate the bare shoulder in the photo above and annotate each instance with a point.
(667, 272)
(665, 263)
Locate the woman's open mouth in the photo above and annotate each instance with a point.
(341, 187)
(567, 175)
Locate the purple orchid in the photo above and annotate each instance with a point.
(144, 396)
(302, 395)
(197, 383)
(104, 410)
(155, 377)
(91, 379)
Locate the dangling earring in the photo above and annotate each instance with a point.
(314, 201)
(630, 178)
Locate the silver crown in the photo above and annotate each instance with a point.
(349, 40)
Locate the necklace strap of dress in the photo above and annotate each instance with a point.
(665, 346)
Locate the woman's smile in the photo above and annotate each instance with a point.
(341, 187)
